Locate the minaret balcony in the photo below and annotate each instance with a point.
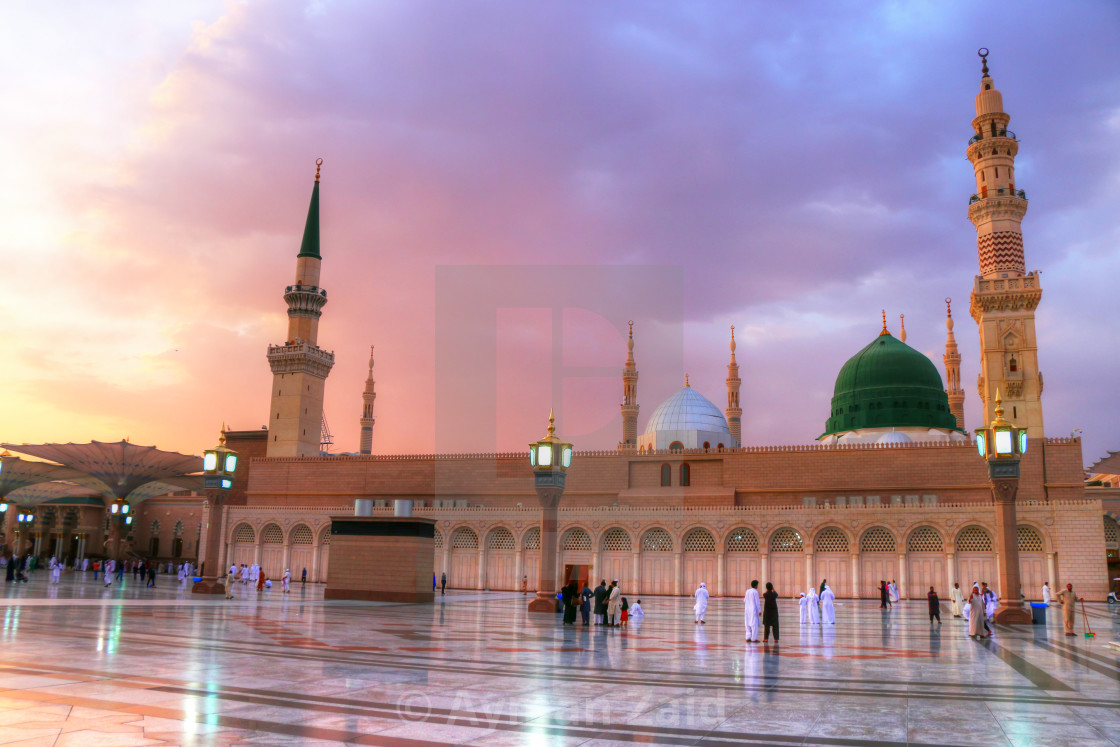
(1018, 194)
(300, 357)
(305, 300)
(999, 133)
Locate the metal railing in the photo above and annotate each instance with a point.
(1001, 133)
(1019, 193)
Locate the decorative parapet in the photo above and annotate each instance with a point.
(300, 357)
(305, 300)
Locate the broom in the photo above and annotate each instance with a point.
(1085, 618)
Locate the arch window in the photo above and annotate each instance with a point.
(500, 539)
(438, 539)
(464, 539)
(676, 446)
(699, 540)
(1111, 532)
(244, 533)
(1029, 538)
(666, 475)
(155, 528)
(177, 530)
(707, 446)
(742, 540)
(786, 539)
(616, 540)
(326, 537)
(924, 539)
(657, 540)
(831, 539)
(974, 539)
(686, 475)
(877, 539)
(576, 539)
(532, 540)
(301, 535)
(272, 535)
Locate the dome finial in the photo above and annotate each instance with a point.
(551, 423)
(902, 327)
(686, 380)
(949, 314)
(982, 53)
(318, 165)
(884, 332)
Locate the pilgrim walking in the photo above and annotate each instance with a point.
(828, 610)
(701, 606)
(769, 613)
(934, 606)
(752, 611)
(957, 597)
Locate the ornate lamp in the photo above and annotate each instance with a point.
(550, 458)
(218, 465)
(1002, 445)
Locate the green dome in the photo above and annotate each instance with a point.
(889, 384)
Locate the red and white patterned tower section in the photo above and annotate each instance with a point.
(1004, 294)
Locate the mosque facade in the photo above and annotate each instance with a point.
(892, 488)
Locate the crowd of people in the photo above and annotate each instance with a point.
(18, 569)
(253, 576)
(606, 606)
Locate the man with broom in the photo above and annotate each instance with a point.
(1068, 600)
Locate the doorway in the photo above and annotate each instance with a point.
(578, 573)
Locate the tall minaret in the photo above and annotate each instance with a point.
(368, 396)
(734, 411)
(953, 369)
(629, 397)
(299, 366)
(1004, 295)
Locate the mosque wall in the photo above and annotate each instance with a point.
(668, 550)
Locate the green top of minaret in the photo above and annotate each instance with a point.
(309, 247)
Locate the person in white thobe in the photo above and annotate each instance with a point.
(85, 564)
(957, 597)
(1046, 593)
(287, 579)
(990, 602)
(110, 566)
(701, 605)
(828, 611)
(752, 610)
(803, 603)
(56, 570)
(814, 610)
(892, 590)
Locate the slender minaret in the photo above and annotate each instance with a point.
(734, 411)
(299, 366)
(953, 369)
(368, 396)
(1004, 295)
(629, 397)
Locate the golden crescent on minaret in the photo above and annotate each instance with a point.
(318, 165)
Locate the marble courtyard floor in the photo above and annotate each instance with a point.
(132, 666)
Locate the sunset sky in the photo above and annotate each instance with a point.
(787, 168)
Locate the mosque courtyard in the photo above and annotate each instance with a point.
(82, 665)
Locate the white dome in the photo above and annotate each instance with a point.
(895, 437)
(687, 410)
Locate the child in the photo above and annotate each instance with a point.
(636, 610)
(625, 613)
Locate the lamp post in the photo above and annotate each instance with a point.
(1002, 444)
(218, 467)
(23, 524)
(550, 458)
(118, 519)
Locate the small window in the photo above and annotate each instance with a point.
(720, 447)
(686, 475)
(707, 446)
(666, 475)
(1014, 364)
(676, 446)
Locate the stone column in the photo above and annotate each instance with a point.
(1052, 571)
(518, 569)
(210, 545)
(951, 569)
(482, 558)
(595, 571)
(721, 575)
(550, 489)
(316, 549)
(288, 560)
(903, 582)
(1004, 489)
(678, 573)
(810, 582)
(857, 593)
(114, 537)
(765, 570)
(637, 572)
